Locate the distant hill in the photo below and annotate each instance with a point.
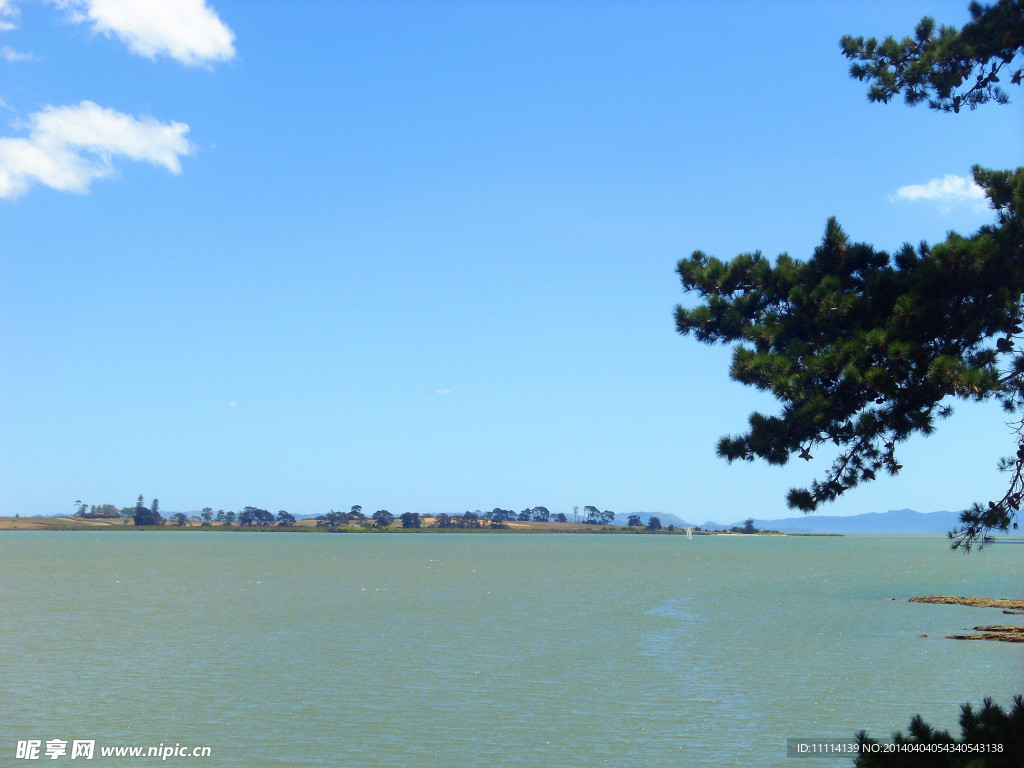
(893, 521)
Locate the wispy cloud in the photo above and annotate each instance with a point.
(8, 14)
(947, 192)
(12, 56)
(187, 30)
(68, 147)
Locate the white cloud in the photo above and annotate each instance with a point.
(8, 14)
(187, 30)
(68, 147)
(12, 56)
(947, 191)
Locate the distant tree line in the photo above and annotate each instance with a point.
(496, 518)
(142, 515)
(256, 517)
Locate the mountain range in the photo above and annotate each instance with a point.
(893, 521)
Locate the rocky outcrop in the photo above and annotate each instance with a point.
(975, 602)
(1007, 633)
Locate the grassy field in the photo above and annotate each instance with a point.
(59, 524)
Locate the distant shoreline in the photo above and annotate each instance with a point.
(310, 526)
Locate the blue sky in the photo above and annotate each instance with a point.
(420, 256)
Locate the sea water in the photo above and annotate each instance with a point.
(470, 649)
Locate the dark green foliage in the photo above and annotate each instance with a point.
(864, 350)
(654, 524)
(253, 516)
(355, 515)
(947, 67)
(331, 519)
(383, 518)
(748, 527)
(411, 520)
(180, 518)
(145, 516)
(541, 514)
(594, 516)
(988, 729)
(634, 521)
(285, 518)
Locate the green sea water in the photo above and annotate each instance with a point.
(487, 649)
